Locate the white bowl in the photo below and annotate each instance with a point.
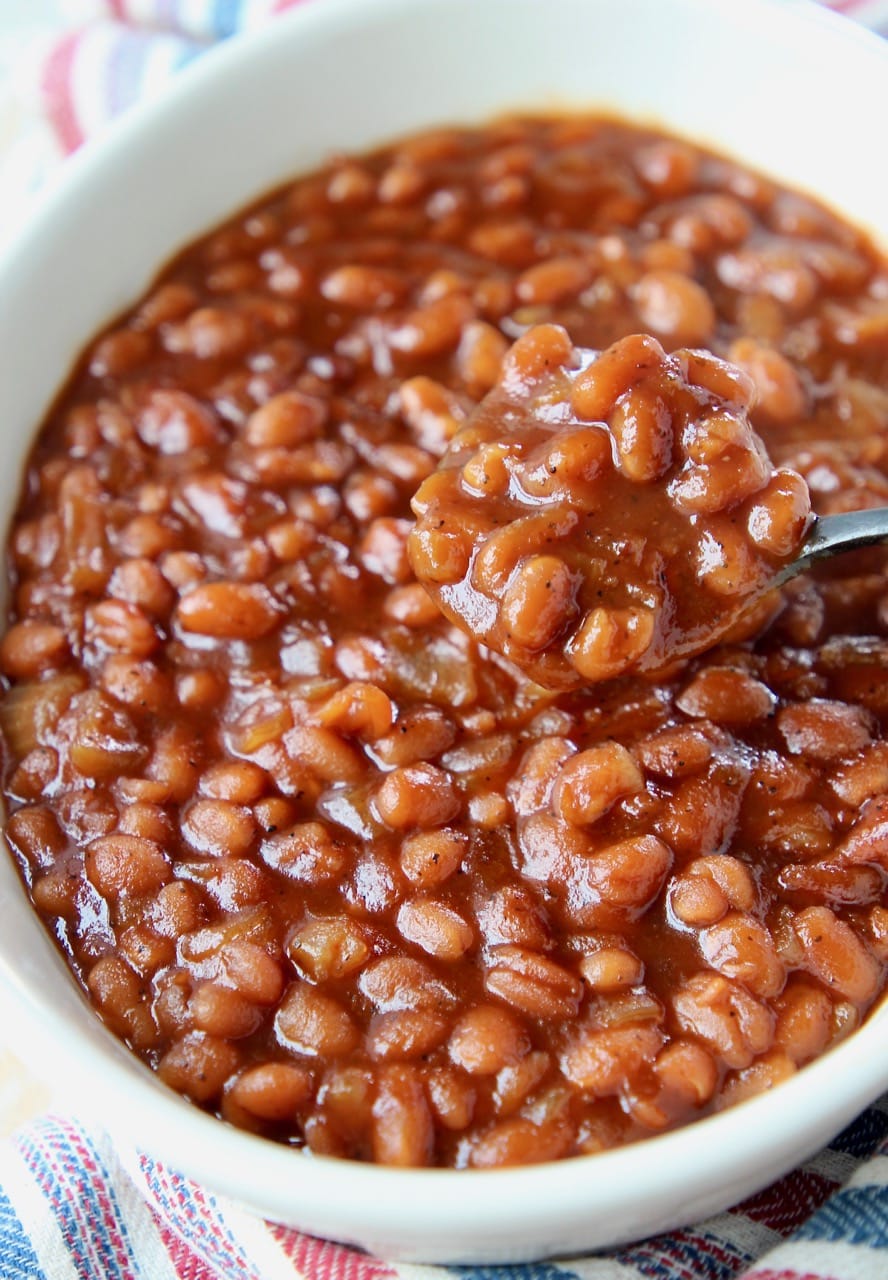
(786, 88)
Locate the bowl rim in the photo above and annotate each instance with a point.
(473, 1199)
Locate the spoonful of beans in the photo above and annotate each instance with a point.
(614, 512)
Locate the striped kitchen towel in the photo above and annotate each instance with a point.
(70, 1210)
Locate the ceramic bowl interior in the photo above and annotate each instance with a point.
(790, 90)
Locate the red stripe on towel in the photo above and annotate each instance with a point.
(57, 88)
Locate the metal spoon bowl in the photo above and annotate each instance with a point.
(832, 535)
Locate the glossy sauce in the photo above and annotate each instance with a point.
(341, 874)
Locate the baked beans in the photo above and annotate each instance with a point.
(602, 514)
(341, 872)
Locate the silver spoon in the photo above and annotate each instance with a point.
(831, 535)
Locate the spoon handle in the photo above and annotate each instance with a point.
(831, 535)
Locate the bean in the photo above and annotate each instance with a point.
(451, 1097)
(675, 753)
(488, 810)
(687, 1070)
(609, 641)
(834, 954)
(804, 1020)
(383, 550)
(222, 1012)
(324, 753)
(366, 496)
(322, 950)
(122, 864)
(139, 685)
(513, 914)
(727, 696)
(239, 781)
(780, 394)
(429, 858)
(360, 708)
(217, 827)
(307, 852)
(149, 821)
(864, 778)
(406, 1033)
(402, 1121)
(486, 1039)
(309, 1022)
(604, 1061)
(120, 352)
(553, 281)
(30, 648)
(35, 833)
(35, 773)
(726, 1018)
(506, 242)
(533, 984)
(229, 611)
(670, 168)
(536, 353)
(198, 1065)
(725, 564)
(430, 410)
(285, 421)
(351, 184)
(520, 1141)
(421, 733)
(531, 788)
(676, 307)
(436, 928)
(176, 910)
(363, 288)
(721, 483)
(418, 795)
(434, 329)
(761, 1076)
(824, 729)
(643, 431)
(146, 954)
(248, 967)
(732, 876)
(725, 381)
(174, 422)
(209, 333)
(440, 555)
(272, 1090)
(867, 840)
(486, 472)
(480, 355)
(627, 875)
(774, 270)
(611, 968)
(591, 783)
(139, 582)
(120, 995)
(741, 948)
(539, 602)
(624, 364)
(780, 514)
(402, 982)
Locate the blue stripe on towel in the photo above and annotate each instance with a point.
(18, 1258)
(857, 1215)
